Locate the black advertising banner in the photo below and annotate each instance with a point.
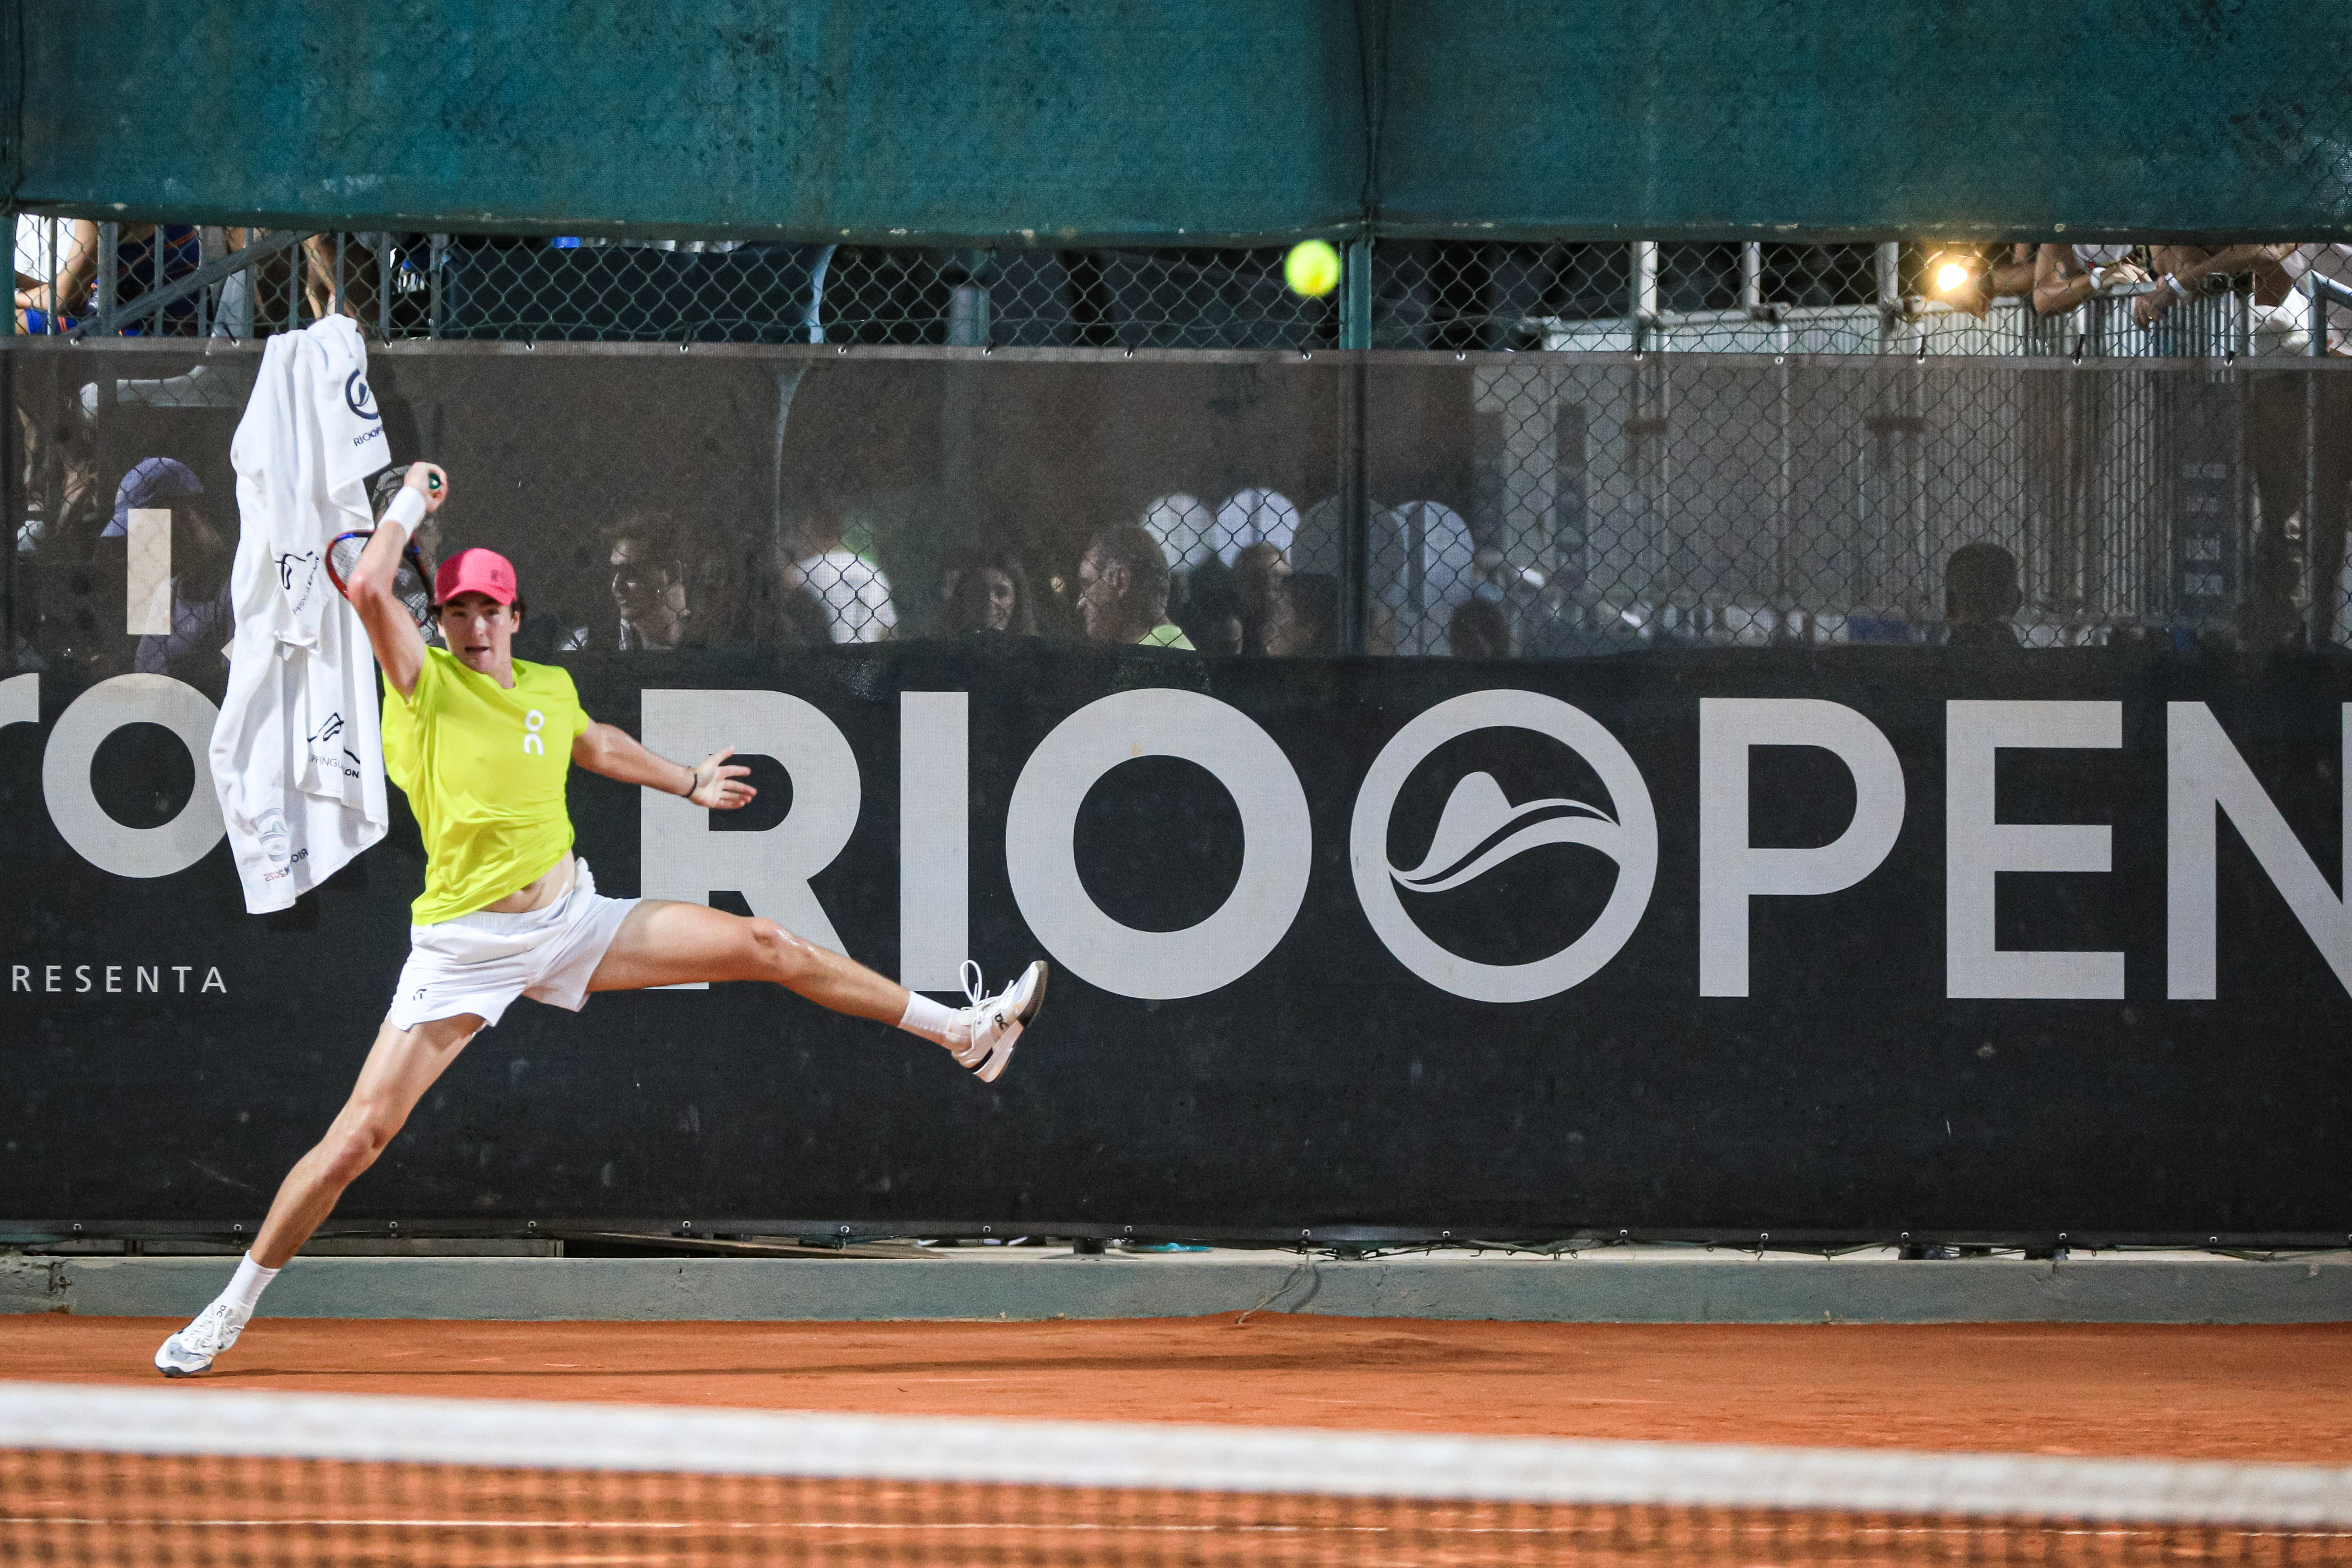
(1724, 943)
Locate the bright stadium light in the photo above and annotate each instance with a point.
(1951, 272)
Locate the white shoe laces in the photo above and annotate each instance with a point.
(214, 1329)
(975, 989)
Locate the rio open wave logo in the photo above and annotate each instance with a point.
(1479, 829)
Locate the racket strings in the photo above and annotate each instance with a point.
(343, 557)
(410, 584)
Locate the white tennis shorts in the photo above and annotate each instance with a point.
(480, 962)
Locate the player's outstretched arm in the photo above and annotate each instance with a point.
(615, 754)
(392, 631)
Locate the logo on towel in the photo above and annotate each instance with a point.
(277, 840)
(326, 750)
(360, 396)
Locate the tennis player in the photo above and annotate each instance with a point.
(481, 742)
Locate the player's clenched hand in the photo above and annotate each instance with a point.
(718, 783)
(428, 480)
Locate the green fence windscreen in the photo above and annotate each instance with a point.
(1196, 121)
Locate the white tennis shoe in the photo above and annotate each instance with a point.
(192, 1350)
(993, 1024)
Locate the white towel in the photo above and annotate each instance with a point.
(297, 754)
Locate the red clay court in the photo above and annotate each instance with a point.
(2168, 1391)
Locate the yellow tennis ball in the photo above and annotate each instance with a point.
(1311, 268)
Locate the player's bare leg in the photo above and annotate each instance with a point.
(400, 1067)
(664, 943)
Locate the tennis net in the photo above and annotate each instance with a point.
(115, 1476)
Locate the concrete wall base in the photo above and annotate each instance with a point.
(1038, 1285)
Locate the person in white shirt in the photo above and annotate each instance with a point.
(855, 594)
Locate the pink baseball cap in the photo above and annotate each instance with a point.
(475, 571)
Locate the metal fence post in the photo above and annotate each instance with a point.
(439, 257)
(1355, 490)
(2321, 615)
(1643, 304)
(968, 304)
(1889, 258)
(1355, 306)
(204, 294)
(109, 249)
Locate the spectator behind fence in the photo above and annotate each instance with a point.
(954, 561)
(2064, 276)
(652, 563)
(992, 595)
(1478, 629)
(66, 507)
(1260, 573)
(789, 615)
(1123, 590)
(852, 590)
(142, 262)
(1253, 516)
(363, 276)
(2184, 272)
(1213, 616)
(1305, 618)
(1980, 597)
(202, 622)
(2282, 460)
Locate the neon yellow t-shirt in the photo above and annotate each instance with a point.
(483, 768)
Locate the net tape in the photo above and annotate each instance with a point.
(1098, 1456)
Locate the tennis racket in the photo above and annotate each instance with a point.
(413, 585)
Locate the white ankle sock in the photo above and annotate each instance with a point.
(934, 1021)
(245, 1287)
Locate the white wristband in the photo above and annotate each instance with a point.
(406, 510)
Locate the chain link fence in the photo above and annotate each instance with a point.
(1583, 449)
(76, 276)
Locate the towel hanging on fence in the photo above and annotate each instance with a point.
(298, 755)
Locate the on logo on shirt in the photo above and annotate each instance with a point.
(533, 723)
